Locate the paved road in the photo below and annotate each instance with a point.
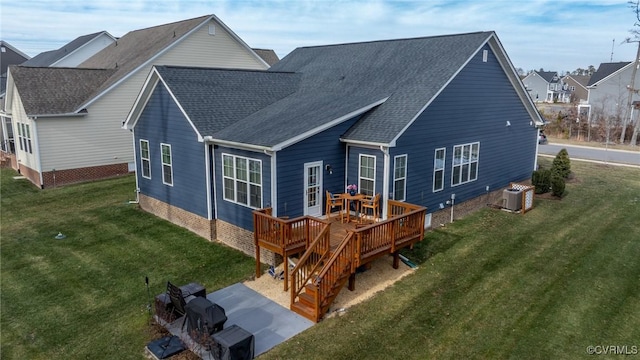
(593, 154)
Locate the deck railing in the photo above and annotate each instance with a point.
(283, 236)
(312, 260)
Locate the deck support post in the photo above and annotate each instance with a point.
(396, 259)
(257, 260)
(352, 282)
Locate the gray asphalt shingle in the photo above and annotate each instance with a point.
(606, 69)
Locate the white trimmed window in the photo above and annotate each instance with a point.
(242, 180)
(438, 169)
(465, 163)
(24, 137)
(400, 177)
(367, 174)
(167, 164)
(145, 160)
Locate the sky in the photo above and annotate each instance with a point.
(556, 35)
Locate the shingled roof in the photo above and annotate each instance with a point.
(606, 69)
(56, 90)
(548, 76)
(347, 79)
(48, 58)
(269, 56)
(214, 99)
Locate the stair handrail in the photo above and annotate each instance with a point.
(310, 261)
(330, 271)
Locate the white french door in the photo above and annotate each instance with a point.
(313, 188)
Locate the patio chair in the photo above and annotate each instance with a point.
(372, 203)
(178, 301)
(334, 201)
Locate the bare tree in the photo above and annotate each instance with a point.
(635, 5)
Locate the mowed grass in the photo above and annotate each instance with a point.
(495, 285)
(85, 296)
(544, 285)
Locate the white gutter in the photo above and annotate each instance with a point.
(35, 117)
(373, 145)
(209, 171)
(236, 145)
(385, 180)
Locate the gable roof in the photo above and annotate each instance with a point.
(213, 99)
(11, 57)
(581, 80)
(55, 90)
(348, 78)
(315, 88)
(606, 69)
(49, 58)
(548, 76)
(269, 56)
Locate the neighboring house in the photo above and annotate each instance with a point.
(422, 120)
(546, 86)
(74, 53)
(68, 119)
(70, 55)
(268, 55)
(609, 90)
(9, 55)
(576, 85)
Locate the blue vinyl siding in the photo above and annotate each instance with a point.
(325, 147)
(474, 107)
(233, 213)
(162, 121)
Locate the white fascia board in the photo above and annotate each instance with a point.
(143, 65)
(237, 145)
(328, 125)
(612, 74)
(365, 144)
(239, 40)
(512, 74)
(141, 100)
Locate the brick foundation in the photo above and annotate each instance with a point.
(190, 221)
(465, 208)
(72, 176)
(30, 174)
(241, 239)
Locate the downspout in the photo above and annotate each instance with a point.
(37, 150)
(385, 180)
(208, 176)
(535, 161)
(135, 164)
(274, 185)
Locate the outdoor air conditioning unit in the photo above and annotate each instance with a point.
(512, 199)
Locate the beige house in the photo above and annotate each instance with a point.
(67, 121)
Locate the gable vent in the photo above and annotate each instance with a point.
(485, 55)
(212, 29)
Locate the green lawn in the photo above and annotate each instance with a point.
(85, 296)
(543, 285)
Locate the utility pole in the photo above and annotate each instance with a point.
(632, 90)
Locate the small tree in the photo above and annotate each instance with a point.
(557, 185)
(561, 164)
(541, 179)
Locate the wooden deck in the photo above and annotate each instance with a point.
(331, 250)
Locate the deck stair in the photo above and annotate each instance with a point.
(323, 270)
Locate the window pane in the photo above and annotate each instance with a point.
(457, 155)
(241, 169)
(438, 180)
(144, 149)
(166, 174)
(474, 152)
(145, 168)
(456, 175)
(229, 190)
(474, 171)
(254, 172)
(465, 173)
(228, 165)
(256, 196)
(242, 193)
(466, 153)
(166, 155)
(399, 190)
(366, 187)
